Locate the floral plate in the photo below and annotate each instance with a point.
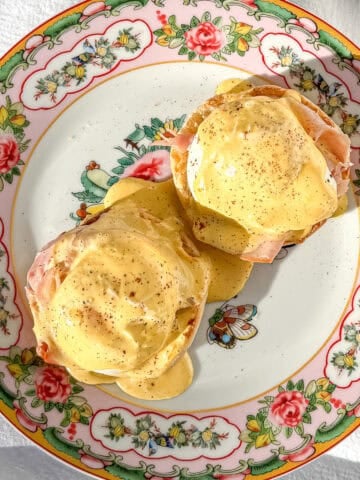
(82, 99)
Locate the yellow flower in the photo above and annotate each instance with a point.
(101, 51)
(242, 28)
(174, 431)
(253, 426)
(15, 370)
(119, 431)
(322, 383)
(18, 120)
(167, 29)
(144, 435)
(79, 71)
(307, 84)
(3, 115)
(162, 41)
(262, 440)
(323, 396)
(123, 39)
(74, 415)
(349, 360)
(207, 435)
(334, 101)
(350, 121)
(167, 131)
(86, 410)
(286, 61)
(51, 87)
(242, 45)
(27, 356)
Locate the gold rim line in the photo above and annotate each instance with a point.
(24, 300)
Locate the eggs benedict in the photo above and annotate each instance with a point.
(257, 168)
(120, 298)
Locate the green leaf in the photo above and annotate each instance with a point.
(194, 22)
(332, 42)
(16, 171)
(61, 446)
(331, 387)
(306, 418)
(288, 432)
(87, 197)
(192, 55)
(217, 21)
(59, 407)
(311, 408)
(290, 385)
(176, 42)
(183, 50)
(84, 420)
(206, 17)
(1, 183)
(357, 182)
(36, 402)
(267, 466)
(281, 389)
(299, 429)
(300, 386)
(357, 172)
(30, 393)
(327, 407)
(172, 20)
(323, 435)
(269, 7)
(156, 123)
(118, 170)
(201, 58)
(159, 32)
(8, 177)
(10, 64)
(60, 26)
(116, 3)
(48, 406)
(65, 422)
(248, 447)
(77, 389)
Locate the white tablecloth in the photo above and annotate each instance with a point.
(18, 458)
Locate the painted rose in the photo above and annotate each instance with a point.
(26, 421)
(52, 384)
(153, 166)
(299, 456)
(94, 8)
(288, 408)
(9, 153)
(205, 39)
(237, 476)
(92, 462)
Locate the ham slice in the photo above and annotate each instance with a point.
(265, 252)
(181, 141)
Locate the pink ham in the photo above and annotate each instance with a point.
(181, 141)
(265, 252)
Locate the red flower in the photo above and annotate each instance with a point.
(9, 153)
(153, 166)
(52, 384)
(299, 456)
(26, 421)
(205, 39)
(288, 408)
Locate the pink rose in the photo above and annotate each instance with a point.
(205, 39)
(288, 408)
(153, 166)
(237, 476)
(94, 8)
(26, 421)
(9, 153)
(299, 456)
(52, 384)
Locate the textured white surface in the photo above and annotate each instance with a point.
(18, 459)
